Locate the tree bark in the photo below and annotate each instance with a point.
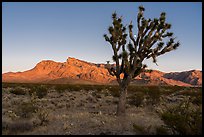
(122, 101)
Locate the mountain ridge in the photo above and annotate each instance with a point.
(79, 71)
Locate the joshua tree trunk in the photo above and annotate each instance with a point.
(122, 98)
(122, 101)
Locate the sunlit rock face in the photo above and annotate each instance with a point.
(193, 77)
(71, 69)
(79, 71)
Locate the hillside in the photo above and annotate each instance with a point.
(77, 71)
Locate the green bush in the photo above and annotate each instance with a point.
(60, 88)
(154, 93)
(183, 120)
(100, 87)
(40, 91)
(9, 85)
(191, 92)
(26, 109)
(136, 99)
(138, 128)
(18, 91)
(161, 131)
(141, 129)
(43, 115)
(197, 100)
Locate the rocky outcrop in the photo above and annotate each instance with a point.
(157, 78)
(193, 77)
(72, 69)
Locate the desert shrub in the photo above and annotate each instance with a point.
(60, 88)
(78, 87)
(9, 85)
(95, 94)
(100, 87)
(176, 87)
(114, 91)
(183, 120)
(85, 87)
(91, 99)
(106, 94)
(5, 85)
(20, 126)
(190, 93)
(4, 124)
(197, 100)
(18, 91)
(40, 91)
(26, 109)
(176, 122)
(4, 90)
(166, 90)
(75, 87)
(136, 99)
(43, 115)
(24, 85)
(161, 130)
(68, 87)
(141, 129)
(133, 89)
(138, 128)
(153, 94)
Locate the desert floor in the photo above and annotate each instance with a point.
(92, 110)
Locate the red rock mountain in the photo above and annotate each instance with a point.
(78, 71)
(193, 77)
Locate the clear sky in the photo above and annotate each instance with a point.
(53, 31)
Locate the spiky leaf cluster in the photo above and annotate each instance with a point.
(148, 43)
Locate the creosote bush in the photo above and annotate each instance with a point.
(183, 119)
(161, 130)
(136, 99)
(40, 91)
(43, 115)
(154, 94)
(26, 109)
(197, 100)
(18, 91)
(141, 129)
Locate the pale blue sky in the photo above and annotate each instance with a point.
(39, 31)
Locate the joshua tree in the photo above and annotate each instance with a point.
(129, 56)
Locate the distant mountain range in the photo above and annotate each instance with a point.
(76, 71)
